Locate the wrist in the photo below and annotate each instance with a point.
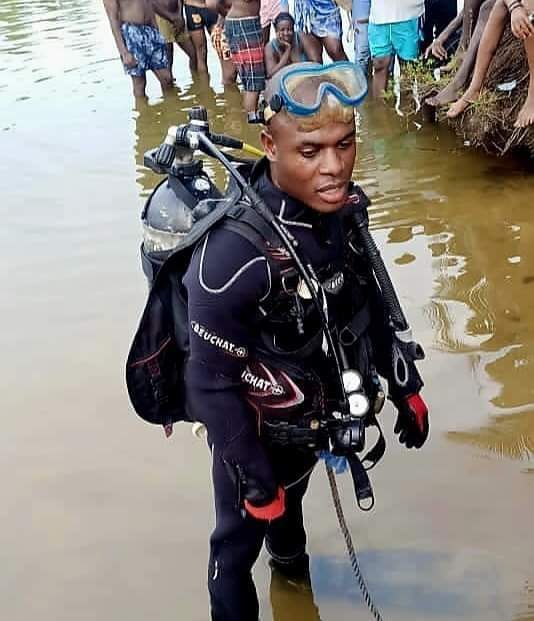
(272, 510)
(515, 4)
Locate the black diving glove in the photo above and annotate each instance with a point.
(412, 421)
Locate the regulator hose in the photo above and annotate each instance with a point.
(372, 252)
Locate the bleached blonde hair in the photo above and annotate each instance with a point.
(331, 111)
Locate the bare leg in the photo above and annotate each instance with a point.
(526, 114)
(470, 16)
(334, 48)
(314, 47)
(139, 86)
(250, 100)
(170, 56)
(165, 78)
(486, 51)
(186, 44)
(266, 34)
(471, 10)
(452, 90)
(229, 72)
(198, 37)
(381, 75)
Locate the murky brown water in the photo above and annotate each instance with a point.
(101, 518)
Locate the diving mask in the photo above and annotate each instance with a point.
(301, 88)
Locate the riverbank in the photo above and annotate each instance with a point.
(488, 123)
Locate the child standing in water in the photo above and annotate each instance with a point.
(245, 37)
(171, 24)
(139, 42)
(393, 31)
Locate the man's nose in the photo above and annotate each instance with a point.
(331, 162)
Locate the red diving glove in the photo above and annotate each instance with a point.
(270, 511)
(412, 421)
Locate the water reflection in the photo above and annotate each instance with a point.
(484, 306)
(481, 240)
(292, 600)
(527, 603)
(414, 583)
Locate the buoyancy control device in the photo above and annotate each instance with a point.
(181, 209)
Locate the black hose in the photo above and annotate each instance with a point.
(389, 294)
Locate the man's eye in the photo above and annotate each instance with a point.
(346, 144)
(309, 153)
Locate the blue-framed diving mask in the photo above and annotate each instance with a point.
(289, 89)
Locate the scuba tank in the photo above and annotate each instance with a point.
(184, 197)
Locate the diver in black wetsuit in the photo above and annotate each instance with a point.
(257, 359)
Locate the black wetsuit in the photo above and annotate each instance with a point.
(257, 353)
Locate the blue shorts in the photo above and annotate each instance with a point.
(147, 45)
(400, 38)
(320, 17)
(327, 24)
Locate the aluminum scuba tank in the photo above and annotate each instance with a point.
(183, 197)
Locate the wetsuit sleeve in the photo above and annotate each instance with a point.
(226, 282)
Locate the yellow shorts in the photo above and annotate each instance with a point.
(168, 31)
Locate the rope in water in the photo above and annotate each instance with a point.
(350, 545)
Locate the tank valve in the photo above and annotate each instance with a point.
(167, 151)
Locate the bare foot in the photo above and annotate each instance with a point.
(526, 114)
(447, 95)
(458, 107)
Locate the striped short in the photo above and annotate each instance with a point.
(245, 38)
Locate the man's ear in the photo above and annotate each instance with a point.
(268, 145)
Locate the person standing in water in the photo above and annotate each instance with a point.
(256, 366)
(199, 20)
(139, 42)
(394, 30)
(320, 21)
(219, 41)
(171, 24)
(245, 37)
(287, 48)
(360, 22)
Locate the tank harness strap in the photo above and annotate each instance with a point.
(244, 221)
(374, 455)
(356, 326)
(243, 213)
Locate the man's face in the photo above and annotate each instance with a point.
(314, 167)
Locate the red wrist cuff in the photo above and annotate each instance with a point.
(273, 510)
